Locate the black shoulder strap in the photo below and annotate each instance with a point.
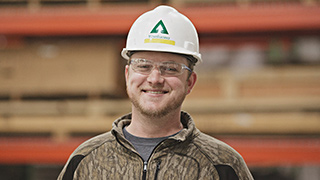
(226, 172)
(72, 166)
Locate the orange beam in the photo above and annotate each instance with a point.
(36, 150)
(277, 151)
(66, 21)
(116, 20)
(279, 17)
(256, 151)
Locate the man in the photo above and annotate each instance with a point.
(157, 140)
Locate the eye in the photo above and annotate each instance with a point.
(171, 68)
(144, 65)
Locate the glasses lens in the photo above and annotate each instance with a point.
(171, 68)
(142, 65)
(166, 68)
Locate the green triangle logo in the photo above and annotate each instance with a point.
(156, 27)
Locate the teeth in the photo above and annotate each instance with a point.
(155, 92)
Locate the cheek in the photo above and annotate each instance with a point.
(177, 84)
(134, 80)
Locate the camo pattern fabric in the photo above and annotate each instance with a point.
(190, 154)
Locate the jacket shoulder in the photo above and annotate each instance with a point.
(215, 149)
(222, 155)
(82, 151)
(93, 143)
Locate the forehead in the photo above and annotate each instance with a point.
(160, 56)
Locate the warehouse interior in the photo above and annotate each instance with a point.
(258, 88)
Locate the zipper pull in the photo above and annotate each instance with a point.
(145, 165)
(144, 175)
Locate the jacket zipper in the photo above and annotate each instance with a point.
(144, 175)
(145, 165)
(157, 170)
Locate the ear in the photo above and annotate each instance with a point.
(191, 81)
(126, 72)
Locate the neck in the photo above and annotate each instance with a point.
(153, 127)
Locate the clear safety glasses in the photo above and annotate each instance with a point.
(168, 68)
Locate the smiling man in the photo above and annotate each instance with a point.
(157, 140)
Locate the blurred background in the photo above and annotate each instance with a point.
(62, 80)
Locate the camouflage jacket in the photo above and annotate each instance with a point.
(190, 154)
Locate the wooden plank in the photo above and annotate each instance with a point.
(265, 82)
(200, 105)
(278, 89)
(234, 123)
(56, 124)
(268, 104)
(259, 123)
(56, 66)
(60, 128)
(192, 105)
(69, 108)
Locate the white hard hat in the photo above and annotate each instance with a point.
(163, 29)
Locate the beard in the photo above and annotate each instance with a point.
(160, 112)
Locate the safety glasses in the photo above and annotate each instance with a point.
(168, 68)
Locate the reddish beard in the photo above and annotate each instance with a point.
(160, 112)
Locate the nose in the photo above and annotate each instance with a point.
(155, 76)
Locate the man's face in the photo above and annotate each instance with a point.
(156, 95)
